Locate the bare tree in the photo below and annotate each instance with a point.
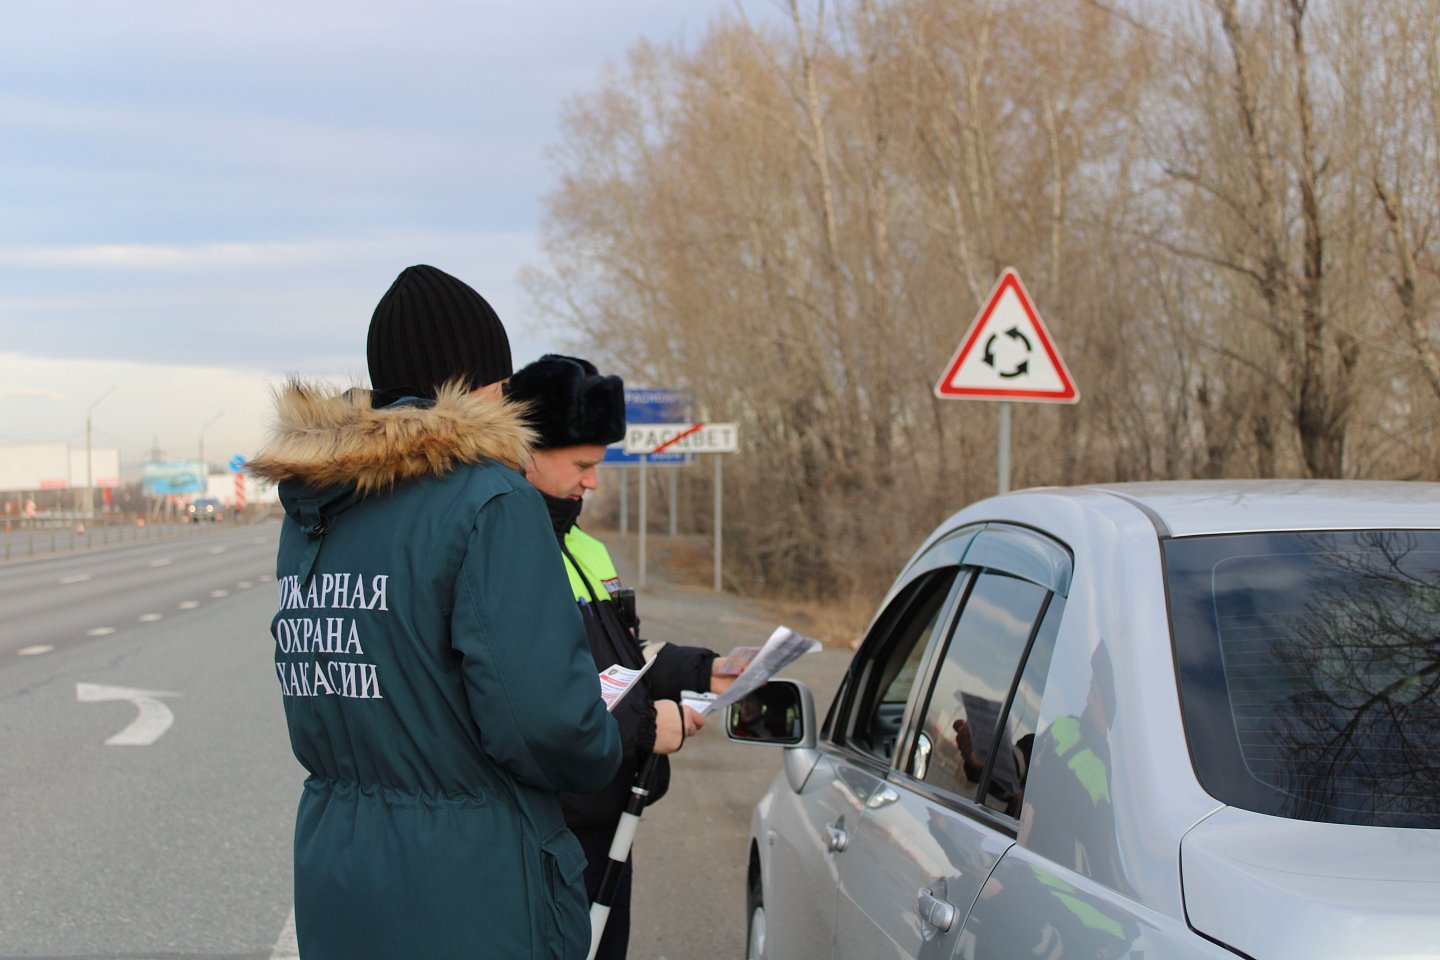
(799, 221)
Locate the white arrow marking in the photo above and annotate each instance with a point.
(154, 719)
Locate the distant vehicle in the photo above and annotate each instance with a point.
(205, 508)
(1179, 720)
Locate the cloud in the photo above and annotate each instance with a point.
(194, 198)
(287, 255)
(19, 390)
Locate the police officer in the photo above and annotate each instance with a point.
(576, 413)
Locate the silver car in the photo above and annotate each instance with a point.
(1169, 720)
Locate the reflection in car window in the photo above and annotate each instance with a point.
(898, 646)
(962, 718)
(1310, 672)
(1006, 789)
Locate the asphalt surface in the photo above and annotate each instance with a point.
(179, 847)
(691, 847)
(176, 848)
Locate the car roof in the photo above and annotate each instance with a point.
(1186, 508)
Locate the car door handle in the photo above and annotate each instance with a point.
(938, 913)
(836, 839)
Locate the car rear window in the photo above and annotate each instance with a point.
(1309, 669)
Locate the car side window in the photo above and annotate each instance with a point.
(1006, 788)
(895, 651)
(968, 736)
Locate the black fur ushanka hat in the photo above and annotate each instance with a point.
(569, 402)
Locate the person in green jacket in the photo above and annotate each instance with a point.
(435, 674)
(575, 413)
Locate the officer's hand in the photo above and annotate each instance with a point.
(673, 723)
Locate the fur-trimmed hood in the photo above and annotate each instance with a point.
(327, 439)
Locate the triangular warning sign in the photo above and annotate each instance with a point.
(1007, 354)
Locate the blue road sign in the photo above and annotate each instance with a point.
(653, 405)
(236, 462)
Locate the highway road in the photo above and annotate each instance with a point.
(175, 847)
(149, 789)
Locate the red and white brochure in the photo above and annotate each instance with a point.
(616, 681)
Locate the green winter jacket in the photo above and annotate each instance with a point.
(436, 680)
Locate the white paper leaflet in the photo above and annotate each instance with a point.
(783, 648)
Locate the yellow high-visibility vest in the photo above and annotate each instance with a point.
(594, 562)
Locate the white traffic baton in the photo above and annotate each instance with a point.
(619, 853)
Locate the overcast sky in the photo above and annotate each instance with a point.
(199, 198)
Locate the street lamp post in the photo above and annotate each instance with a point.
(203, 468)
(89, 470)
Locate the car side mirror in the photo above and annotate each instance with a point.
(778, 713)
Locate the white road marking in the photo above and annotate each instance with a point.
(219, 593)
(39, 648)
(215, 550)
(100, 632)
(154, 719)
(244, 585)
(151, 617)
(162, 562)
(287, 947)
(188, 604)
(75, 578)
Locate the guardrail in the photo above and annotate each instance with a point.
(54, 535)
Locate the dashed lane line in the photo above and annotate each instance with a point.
(187, 604)
(36, 650)
(100, 632)
(75, 578)
(151, 617)
(217, 594)
(162, 562)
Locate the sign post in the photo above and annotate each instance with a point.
(652, 439)
(237, 466)
(1007, 355)
(650, 405)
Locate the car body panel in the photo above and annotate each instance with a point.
(908, 845)
(1031, 908)
(1194, 507)
(1276, 887)
(802, 876)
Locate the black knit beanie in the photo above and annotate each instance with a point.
(431, 328)
(569, 402)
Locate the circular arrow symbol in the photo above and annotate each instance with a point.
(1021, 368)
